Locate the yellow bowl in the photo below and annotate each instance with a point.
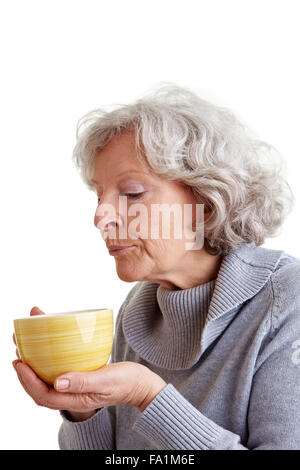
(54, 344)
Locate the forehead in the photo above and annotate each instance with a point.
(118, 157)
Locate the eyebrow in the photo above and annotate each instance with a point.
(121, 174)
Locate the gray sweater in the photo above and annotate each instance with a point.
(229, 351)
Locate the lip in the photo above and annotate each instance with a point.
(116, 250)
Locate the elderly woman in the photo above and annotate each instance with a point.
(206, 352)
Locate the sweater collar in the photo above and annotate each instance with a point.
(172, 328)
(243, 272)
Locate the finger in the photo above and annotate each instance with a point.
(103, 380)
(36, 311)
(43, 394)
(31, 383)
(15, 362)
(85, 382)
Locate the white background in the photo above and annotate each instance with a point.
(60, 59)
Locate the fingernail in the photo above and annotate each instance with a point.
(62, 384)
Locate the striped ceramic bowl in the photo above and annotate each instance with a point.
(54, 344)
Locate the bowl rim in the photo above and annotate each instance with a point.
(63, 314)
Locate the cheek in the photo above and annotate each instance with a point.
(164, 251)
(159, 235)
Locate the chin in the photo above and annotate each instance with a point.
(129, 275)
(126, 275)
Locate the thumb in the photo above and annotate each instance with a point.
(36, 311)
(83, 382)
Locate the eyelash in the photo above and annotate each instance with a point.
(134, 195)
(130, 195)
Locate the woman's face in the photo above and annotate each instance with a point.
(118, 172)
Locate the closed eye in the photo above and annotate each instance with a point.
(129, 195)
(134, 195)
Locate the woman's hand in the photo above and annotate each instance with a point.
(118, 383)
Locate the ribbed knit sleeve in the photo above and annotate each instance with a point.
(94, 433)
(173, 423)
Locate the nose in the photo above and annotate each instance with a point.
(105, 223)
(111, 216)
(107, 217)
(106, 227)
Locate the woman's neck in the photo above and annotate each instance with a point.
(197, 267)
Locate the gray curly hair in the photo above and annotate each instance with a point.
(239, 179)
